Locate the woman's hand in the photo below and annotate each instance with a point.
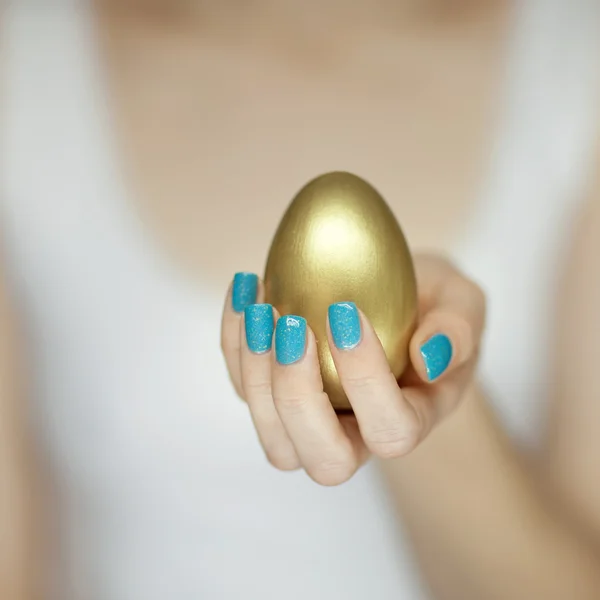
(296, 424)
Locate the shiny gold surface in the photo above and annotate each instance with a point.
(339, 241)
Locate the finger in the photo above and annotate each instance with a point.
(445, 394)
(390, 424)
(321, 443)
(431, 271)
(350, 425)
(245, 289)
(449, 332)
(256, 333)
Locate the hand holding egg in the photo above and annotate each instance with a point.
(335, 353)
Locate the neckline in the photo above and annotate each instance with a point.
(142, 241)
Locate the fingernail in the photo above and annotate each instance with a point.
(258, 320)
(245, 288)
(290, 339)
(437, 354)
(345, 325)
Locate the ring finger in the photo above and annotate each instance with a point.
(256, 333)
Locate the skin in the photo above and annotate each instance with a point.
(18, 475)
(293, 417)
(485, 520)
(166, 75)
(527, 537)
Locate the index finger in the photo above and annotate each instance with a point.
(391, 423)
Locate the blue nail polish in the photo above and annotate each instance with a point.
(258, 320)
(437, 354)
(345, 325)
(290, 339)
(245, 289)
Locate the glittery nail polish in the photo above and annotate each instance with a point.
(245, 289)
(290, 339)
(258, 320)
(437, 354)
(344, 321)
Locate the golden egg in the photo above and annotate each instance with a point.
(339, 241)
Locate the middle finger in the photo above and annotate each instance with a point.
(322, 445)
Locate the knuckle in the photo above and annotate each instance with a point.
(393, 440)
(473, 292)
(434, 260)
(292, 403)
(446, 263)
(283, 461)
(478, 302)
(362, 381)
(370, 384)
(229, 347)
(223, 346)
(476, 292)
(237, 388)
(257, 389)
(333, 472)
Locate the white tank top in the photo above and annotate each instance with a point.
(163, 489)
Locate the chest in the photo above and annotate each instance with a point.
(216, 147)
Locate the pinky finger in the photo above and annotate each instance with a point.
(350, 426)
(245, 289)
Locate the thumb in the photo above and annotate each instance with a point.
(448, 335)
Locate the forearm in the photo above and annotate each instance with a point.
(17, 495)
(481, 526)
(17, 570)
